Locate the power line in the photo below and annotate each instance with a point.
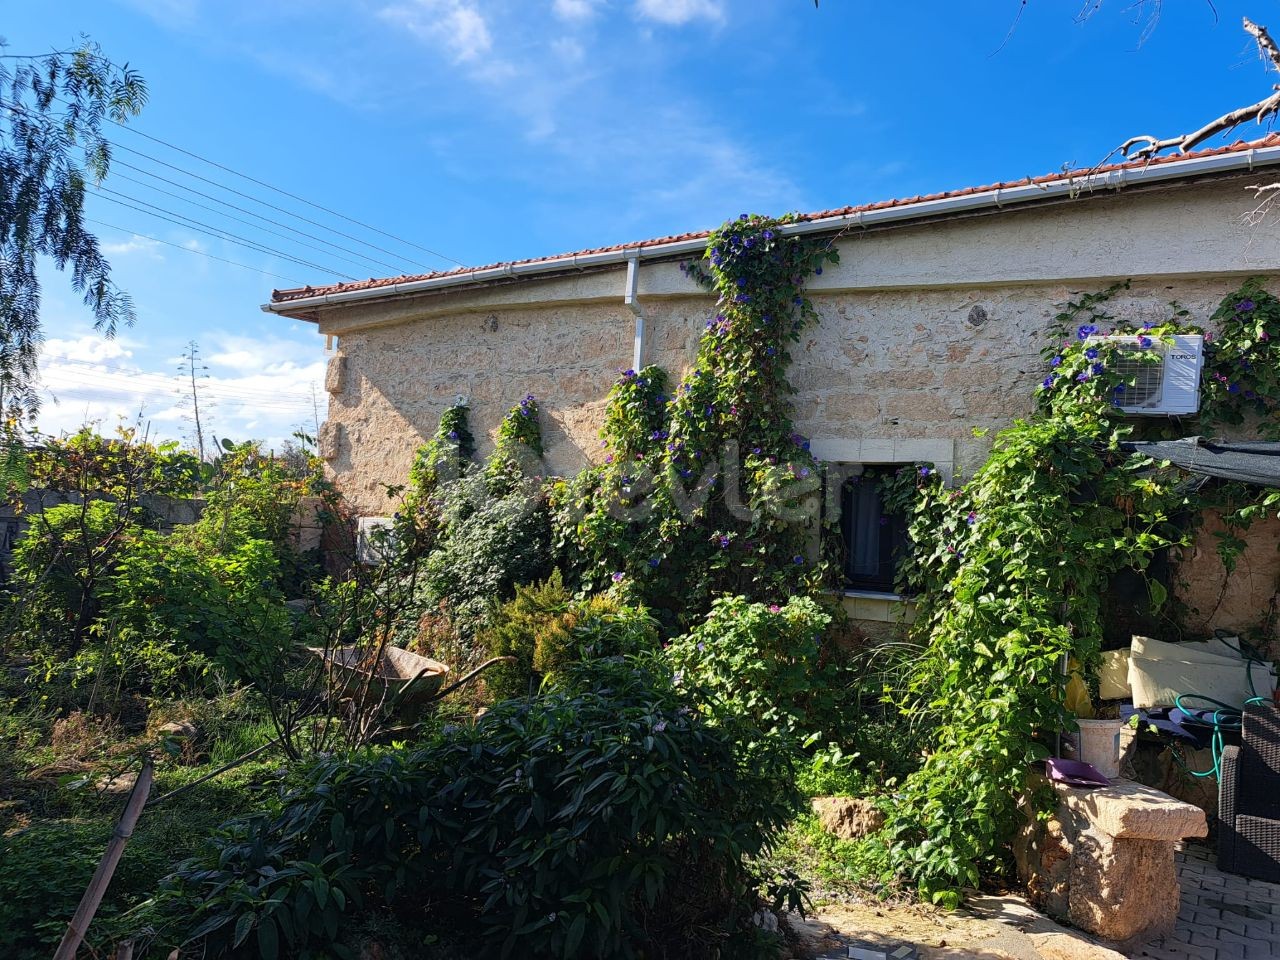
(201, 253)
(293, 196)
(226, 203)
(314, 223)
(16, 108)
(209, 230)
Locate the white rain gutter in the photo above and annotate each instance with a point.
(998, 198)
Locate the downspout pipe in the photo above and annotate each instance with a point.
(630, 298)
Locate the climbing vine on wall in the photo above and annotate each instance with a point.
(703, 491)
(1011, 567)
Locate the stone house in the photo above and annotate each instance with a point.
(931, 325)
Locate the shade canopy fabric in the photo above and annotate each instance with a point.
(1248, 461)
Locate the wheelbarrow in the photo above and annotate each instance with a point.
(402, 682)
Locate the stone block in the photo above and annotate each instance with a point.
(1123, 890)
(848, 817)
(335, 375)
(1131, 810)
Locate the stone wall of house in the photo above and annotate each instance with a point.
(927, 332)
(884, 376)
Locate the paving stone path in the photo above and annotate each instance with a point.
(1223, 916)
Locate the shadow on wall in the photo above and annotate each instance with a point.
(1242, 601)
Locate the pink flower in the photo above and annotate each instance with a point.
(774, 608)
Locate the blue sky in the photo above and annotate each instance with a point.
(489, 130)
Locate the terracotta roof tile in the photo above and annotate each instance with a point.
(1240, 146)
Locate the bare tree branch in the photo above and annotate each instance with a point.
(1259, 112)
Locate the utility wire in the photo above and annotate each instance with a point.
(136, 384)
(201, 253)
(292, 196)
(227, 203)
(17, 108)
(314, 223)
(216, 232)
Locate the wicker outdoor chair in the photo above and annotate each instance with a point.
(1249, 798)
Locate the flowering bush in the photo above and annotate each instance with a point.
(704, 491)
(1242, 375)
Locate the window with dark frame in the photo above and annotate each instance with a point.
(873, 538)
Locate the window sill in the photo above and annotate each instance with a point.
(874, 595)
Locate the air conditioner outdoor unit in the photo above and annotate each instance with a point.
(372, 539)
(1168, 387)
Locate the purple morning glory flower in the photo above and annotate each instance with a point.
(925, 471)
(1244, 306)
(618, 576)
(1086, 331)
(1090, 354)
(1082, 377)
(1055, 362)
(818, 271)
(453, 434)
(654, 561)
(1097, 368)
(971, 519)
(768, 234)
(770, 351)
(1047, 382)
(1144, 342)
(797, 559)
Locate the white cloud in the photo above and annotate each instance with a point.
(134, 244)
(90, 348)
(575, 10)
(457, 24)
(255, 388)
(568, 50)
(679, 12)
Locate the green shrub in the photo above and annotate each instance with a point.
(59, 567)
(546, 629)
(600, 818)
(488, 543)
(769, 664)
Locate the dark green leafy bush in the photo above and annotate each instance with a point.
(603, 819)
(488, 543)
